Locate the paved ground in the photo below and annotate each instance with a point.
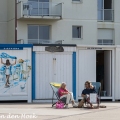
(45, 112)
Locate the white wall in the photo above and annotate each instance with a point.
(62, 30)
(86, 63)
(82, 14)
(116, 11)
(54, 67)
(7, 21)
(11, 21)
(113, 25)
(85, 10)
(117, 74)
(3, 21)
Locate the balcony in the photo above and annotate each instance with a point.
(39, 10)
(39, 41)
(106, 15)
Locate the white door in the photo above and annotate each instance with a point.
(107, 72)
(52, 67)
(87, 68)
(63, 69)
(44, 75)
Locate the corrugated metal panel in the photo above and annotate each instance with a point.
(69, 49)
(19, 74)
(38, 48)
(87, 68)
(52, 68)
(117, 80)
(42, 48)
(107, 73)
(63, 71)
(44, 75)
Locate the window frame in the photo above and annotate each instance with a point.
(38, 30)
(77, 2)
(102, 42)
(80, 33)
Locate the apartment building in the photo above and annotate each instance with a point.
(84, 22)
(7, 21)
(93, 25)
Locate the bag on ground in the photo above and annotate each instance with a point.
(59, 105)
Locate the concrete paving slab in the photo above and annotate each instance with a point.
(59, 112)
(45, 112)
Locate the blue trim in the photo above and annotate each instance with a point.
(15, 45)
(74, 74)
(33, 75)
(11, 48)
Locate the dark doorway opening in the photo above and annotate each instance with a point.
(103, 71)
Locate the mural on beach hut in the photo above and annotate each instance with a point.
(14, 73)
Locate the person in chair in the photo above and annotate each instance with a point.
(89, 88)
(63, 92)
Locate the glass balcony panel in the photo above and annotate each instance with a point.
(42, 9)
(106, 15)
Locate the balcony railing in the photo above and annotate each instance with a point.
(41, 41)
(106, 15)
(39, 9)
(105, 42)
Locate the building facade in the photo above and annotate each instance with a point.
(83, 22)
(7, 21)
(91, 26)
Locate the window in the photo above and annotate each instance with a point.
(43, 0)
(105, 10)
(76, 0)
(39, 0)
(105, 37)
(38, 33)
(105, 42)
(76, 32)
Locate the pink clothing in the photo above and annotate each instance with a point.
(61, 90)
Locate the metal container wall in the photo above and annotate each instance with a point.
(52, 67)
(15, 78)
(117, 74)
(86, 69)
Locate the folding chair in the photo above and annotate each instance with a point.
(55, 87)
(97, 86)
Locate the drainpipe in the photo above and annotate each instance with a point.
(15, 21)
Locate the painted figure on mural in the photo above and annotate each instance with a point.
(14, 73)
(8, 66)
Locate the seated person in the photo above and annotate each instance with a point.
(89, 88)
(63, 92)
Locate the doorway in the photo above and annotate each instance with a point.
(103, 71)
